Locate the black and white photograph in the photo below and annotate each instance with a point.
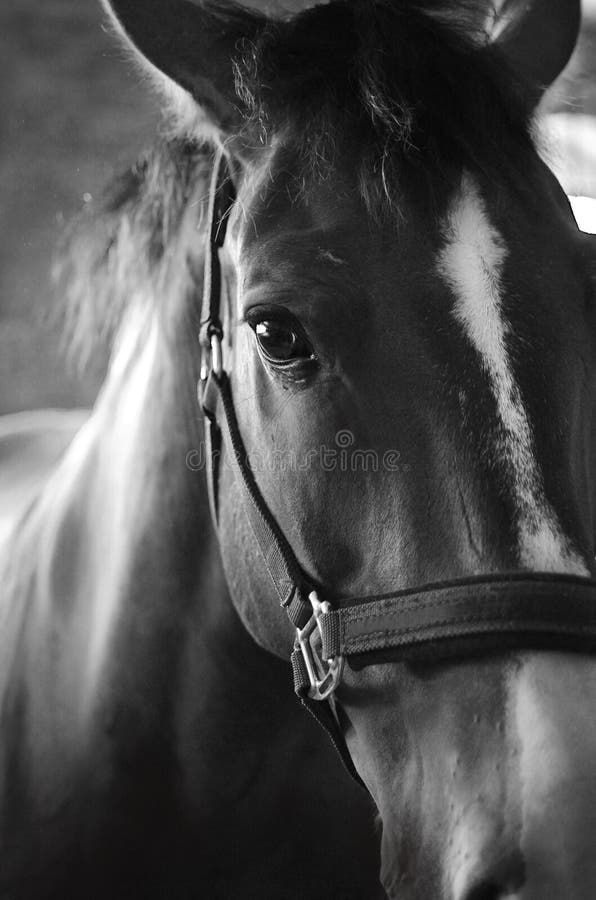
(298, 450)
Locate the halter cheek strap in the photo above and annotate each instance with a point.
(290, 585)
(449, 619)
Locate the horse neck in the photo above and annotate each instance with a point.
(125, 624)
(119, 534)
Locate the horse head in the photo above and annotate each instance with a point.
(410, 348)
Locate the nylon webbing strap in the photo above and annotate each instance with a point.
(214, 391)
(222, 195)
(277, 554)
(279, 559)
(323, 714)
(526, 603)
(280, 562)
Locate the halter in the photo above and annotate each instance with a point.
(475, 615)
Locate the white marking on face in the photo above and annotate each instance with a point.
(471, 264)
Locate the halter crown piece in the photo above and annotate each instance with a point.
(476, 615)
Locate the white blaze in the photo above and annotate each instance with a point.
(471, 263)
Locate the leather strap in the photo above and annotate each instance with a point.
(523, 602)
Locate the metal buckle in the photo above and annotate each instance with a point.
(324, 675)
(212, 359)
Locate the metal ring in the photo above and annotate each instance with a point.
(216, 355)
(324, 675)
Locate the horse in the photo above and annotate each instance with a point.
(394, 440)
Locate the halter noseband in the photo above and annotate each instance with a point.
(470, 615)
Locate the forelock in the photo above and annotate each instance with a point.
(405, 90)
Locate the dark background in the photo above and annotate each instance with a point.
(73, 112)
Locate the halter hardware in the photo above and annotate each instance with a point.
(472, 615)
(212, 358)
(324, 675)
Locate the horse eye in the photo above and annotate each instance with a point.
(281, 342)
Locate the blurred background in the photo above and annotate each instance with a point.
(73, 112)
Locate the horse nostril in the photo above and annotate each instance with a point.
(504, 879)
(487, 892)
(492, 889)
(488, 863)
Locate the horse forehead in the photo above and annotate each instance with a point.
(277, 220)
(327, 234)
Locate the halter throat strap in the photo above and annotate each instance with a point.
(456, 618)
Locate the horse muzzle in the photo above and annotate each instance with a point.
(483, 773)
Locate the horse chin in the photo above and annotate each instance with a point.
(484, 777)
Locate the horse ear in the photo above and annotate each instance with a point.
(193, 43)
(538, 38)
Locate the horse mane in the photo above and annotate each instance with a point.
(408, 91)
(140, 241)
